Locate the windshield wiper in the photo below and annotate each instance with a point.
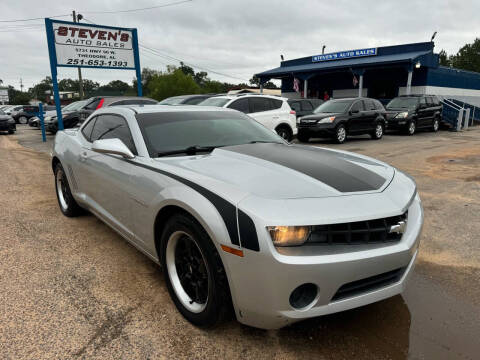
(191, 150)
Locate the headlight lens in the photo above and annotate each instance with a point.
(402, 115)
(289, 235)
(327, 120)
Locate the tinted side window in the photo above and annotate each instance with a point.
(87, 129)
(295, 105)
(259, 104)
(306, 106)
(93, 105)
(192, 101)
(369, 105)
(275, 104)
(423, 102)
(357, 106)
(378, 105)
(240, 105)
(429, 101)
(113, 127)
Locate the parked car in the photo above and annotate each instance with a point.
(238, 217)
(83, 109)
(271, 111)
(409, 113)
(12, 108)
(7, 123)
(304, 107)
(343, 117)
(185, 99)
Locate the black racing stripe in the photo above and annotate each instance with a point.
(227, 211)
(323, 165)
(248, 232)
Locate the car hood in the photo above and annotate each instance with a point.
(318, 116)
(4, 117)
(281, 171)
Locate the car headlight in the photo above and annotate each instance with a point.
(11, 121)
(47, 118)
(289, 235)
(402, 115)
(327, 120)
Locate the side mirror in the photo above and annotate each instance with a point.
(112, 147)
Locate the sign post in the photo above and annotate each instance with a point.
(77, 45)
(42, 121)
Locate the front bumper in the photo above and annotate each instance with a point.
(6, 126)
(397, 123)
(261, 290)
(317, 129)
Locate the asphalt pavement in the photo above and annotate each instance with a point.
(73, 288)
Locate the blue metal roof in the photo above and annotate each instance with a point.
(352, 63)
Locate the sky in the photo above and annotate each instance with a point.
(234, 38)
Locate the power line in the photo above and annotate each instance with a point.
(100, 12)
(139, 9)
(31, 19)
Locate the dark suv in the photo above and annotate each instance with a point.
(343, 117)
(186, 99)
(409, 113)
(304, 107)
(78, 114)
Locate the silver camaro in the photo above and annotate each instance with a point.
(239, 219)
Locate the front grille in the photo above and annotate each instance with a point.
(369, 284)
(359, 232)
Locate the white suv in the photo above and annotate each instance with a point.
(272, 112)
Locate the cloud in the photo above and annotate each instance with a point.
(238, 37)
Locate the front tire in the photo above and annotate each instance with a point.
(22, 120)
(194, 272)
(435, 125)
(11, 131)
(411, 128)
(66, 202)
(340, 134)
(377, 134)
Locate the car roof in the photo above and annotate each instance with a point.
(167, 108)
(239, 96)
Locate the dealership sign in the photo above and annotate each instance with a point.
(345, 55)
(77, 45)
(80, 45)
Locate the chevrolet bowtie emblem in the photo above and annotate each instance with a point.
(398, 228)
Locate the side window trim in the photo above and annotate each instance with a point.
(135, 152)
(93, 119)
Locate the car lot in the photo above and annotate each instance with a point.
(76, 302)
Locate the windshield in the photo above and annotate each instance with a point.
(403, 103)
(333, 106)
(171, 131)
(74, 106)
(172, 101)
(214, 101)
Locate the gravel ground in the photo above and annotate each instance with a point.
(72, 288)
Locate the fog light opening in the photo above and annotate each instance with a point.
(303, 296)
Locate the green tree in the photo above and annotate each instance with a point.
(39, 90)
(173, 82)
(116, 86)
(468, 57)
(18, 97)
(443, 58)
(255, 81)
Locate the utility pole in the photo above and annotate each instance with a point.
(80, 81)
(21, 85)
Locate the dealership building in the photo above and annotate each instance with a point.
(381, 73)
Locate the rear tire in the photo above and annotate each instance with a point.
(284, 132)
(194, 272)
(377, 134)
(22, 120)
(340, 134)
(66, 202)
(11, 131)
(303, 136)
